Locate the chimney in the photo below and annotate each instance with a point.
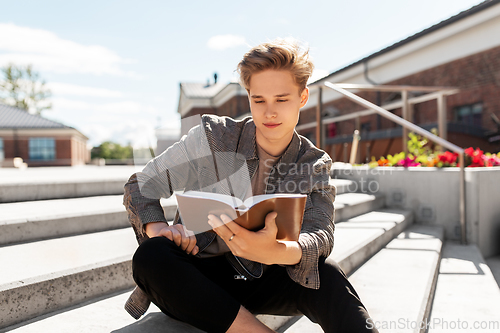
(215, 78)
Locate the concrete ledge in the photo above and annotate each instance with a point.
(23, 300)
(62, 182)
(348, 205)
(38, 220)
(343, 185)
(44, 191)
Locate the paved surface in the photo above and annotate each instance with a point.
(467, 295)
(396, 283)
(494, 264)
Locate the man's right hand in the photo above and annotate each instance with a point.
(176, 233)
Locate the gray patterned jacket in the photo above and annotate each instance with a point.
(200, 161)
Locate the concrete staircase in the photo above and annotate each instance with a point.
(66, 245)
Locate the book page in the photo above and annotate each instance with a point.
(227, 199)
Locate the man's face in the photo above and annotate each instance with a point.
(275, 103)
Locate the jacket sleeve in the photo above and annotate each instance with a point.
(316, 236)
(174, 169)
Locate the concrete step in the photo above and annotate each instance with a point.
(45, 276)
(371, 231)
(343, 185)
(360, 237)
(467, 296)
(62, 182)
(45, 219)
(78, 181)
(106, 314)
(397, 284)
(348, 205)
(403, 274)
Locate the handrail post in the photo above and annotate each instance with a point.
(354, 147)
(404, 112)
(319, 122)
(441, 102)
(463, 224)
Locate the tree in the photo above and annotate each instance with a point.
(21, 87)
(114, 151)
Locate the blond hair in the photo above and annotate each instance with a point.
(279, 54)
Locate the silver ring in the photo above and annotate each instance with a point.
(230, 239)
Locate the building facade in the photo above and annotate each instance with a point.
(462, 52)
(39, 141)
(214, 98)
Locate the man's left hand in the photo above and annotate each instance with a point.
(260, 246)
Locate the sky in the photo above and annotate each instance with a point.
(114, 67)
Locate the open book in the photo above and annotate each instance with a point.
(195, 207)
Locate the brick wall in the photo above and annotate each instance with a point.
(234, 107)
(69, 151)
(200, 111)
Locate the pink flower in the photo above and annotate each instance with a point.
(492, 160)
(408, 162)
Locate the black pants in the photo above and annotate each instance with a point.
(205, 294)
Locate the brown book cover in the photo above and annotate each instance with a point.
(195, 207)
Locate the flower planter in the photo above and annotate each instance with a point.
(433, 196)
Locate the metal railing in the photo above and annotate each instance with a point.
(419, 130)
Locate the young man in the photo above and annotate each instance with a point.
(218, 280)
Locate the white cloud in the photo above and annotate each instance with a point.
(222, 42)
(138, 133)
(100, 110)
(65, 89)
(48, 52)
(123, 122)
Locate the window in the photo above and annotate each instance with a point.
(366, 127)
(331, 130)
(2, 155)
(42, 149)
(469, 114)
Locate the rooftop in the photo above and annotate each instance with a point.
(202, 90)
(12, 117)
